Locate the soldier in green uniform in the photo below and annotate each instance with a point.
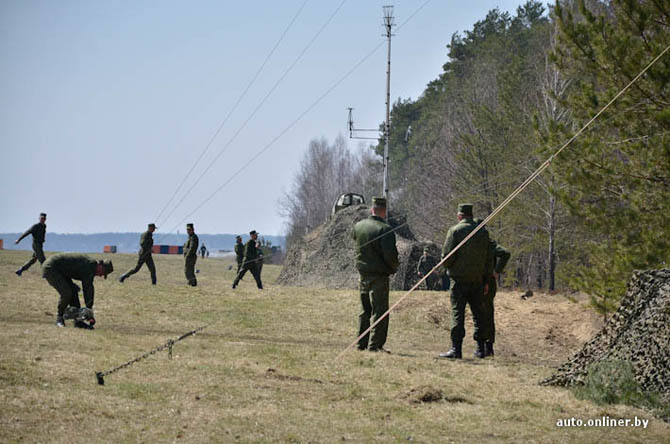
(203, 250)
(60, 269)
(38, 231)
(466, 268)
(427, 263)
(145, 257)
(190, 255)
(249, 261)
(239, 252)
(496, 261)
(376, 260)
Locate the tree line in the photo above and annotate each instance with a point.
(514, 88)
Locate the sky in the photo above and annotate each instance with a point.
(105, 106)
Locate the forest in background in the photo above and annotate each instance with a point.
(513, 90)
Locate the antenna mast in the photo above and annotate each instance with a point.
(388, 24)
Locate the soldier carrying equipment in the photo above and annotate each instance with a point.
(60, 269)
(145, 257)
(38, 232)
(249, 261)
(376, 260)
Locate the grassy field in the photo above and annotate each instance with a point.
(264, 370)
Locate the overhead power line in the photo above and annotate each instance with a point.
(258, 107)
(297, 119)
(233, 109)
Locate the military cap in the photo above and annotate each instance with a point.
(252, 232)
(107, 266)
(43, 214)
(152, 226)
(379, 201)
(238, 237)
(426, 249)
(465, 208)
(189, 226)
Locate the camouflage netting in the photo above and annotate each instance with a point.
(638, 332)
(325, 257)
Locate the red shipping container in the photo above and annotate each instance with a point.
(1, 247)
(174, 249)
(156, 249)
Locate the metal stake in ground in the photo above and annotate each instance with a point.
(100, 376)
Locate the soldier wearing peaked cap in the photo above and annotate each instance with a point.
(467, 267)
(239, 252)
(249, 261)
(190, 255)
(38, 232)
(427, 263)
(60, 269)
(376, 260)
(145, 257)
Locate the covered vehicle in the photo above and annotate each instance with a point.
(346, 200)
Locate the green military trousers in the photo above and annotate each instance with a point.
(38, 255)
(463, 293)
(149, 260)
(67, 290)
(189, 270)
(374, 292)
(488, 310)
(255, 272)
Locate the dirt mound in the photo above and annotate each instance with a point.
(325, 257)
(638, 332)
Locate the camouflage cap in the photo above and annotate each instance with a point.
(189, 226)
(379, 201)
(465, 209)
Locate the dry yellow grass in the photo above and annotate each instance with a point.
(264, 369)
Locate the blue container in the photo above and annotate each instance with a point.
(165, 249)
(181, 250)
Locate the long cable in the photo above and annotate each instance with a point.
(511, 197)
(258, 106)
(298, 119)
(232, 110)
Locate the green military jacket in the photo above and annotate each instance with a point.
(250, 251)
(426, 263)
(74, 266)
(239, 252)
(146, 243)
(376, 253)
(38, 231)
(468, 264)
(497, 258)
(191, 246)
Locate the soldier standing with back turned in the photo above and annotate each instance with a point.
(38, 231)
(376, 260)
(190, 255)
(496, 261)
(145, 257)
(239, 252)
(467, 268)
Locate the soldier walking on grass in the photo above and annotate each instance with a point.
(59, 270)
(467, 269)
(203, 250)
(38, 232)
(145, 257)
(427, 263)
(376, 260)
(190, 255)
(239, 252)
(249, 261)
(497, 258)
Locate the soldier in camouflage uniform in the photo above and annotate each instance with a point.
(60, 269)
(376, 260)
(39, 232)
(145, 257)
(427, 263)
(466, 268)
(496, 261)
(190, 255)
(249, 262)
(239, 252)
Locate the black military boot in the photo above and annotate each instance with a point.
(489, 349)
(122, 278)
(480, 352)
(153, 281)
(454, 353)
